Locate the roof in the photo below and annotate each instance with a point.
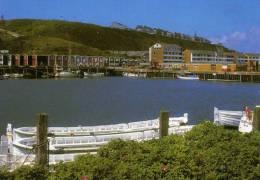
(170, 45)
(165, 45)
(202, 51)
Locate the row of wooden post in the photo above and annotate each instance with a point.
(42, 153)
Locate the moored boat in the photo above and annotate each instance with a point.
(102, 129)
(93, 74)
(16, 76)
(188, 77)
(6, 76)
(66, 74)
(140, 75)
(72, 141)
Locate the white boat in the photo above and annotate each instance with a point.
(188, 77)
(6, 76)
(78, 144)
(16, 75)
(84, 143)
(65, 74)
(93, 74)
(130, 74)
(140, 75)
(102, 129)
(65, 143)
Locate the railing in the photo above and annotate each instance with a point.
(230, 118)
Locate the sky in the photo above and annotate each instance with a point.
(234, 23)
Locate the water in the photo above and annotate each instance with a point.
(115, 99)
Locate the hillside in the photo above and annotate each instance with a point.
(57, 37)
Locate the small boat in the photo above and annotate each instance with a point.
(142, 75)
(45, 75)
(130, 74)
(93, 74)
(104, 129)
(6, 76)
(66, 74)
(188, 77)
(16, 75)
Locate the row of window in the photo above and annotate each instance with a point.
(172, 57)
(206, 55)
(172, 49)
(173, 53)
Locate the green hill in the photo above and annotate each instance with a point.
(57, 37)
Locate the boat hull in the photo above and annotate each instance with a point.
(188, 77)
(65, 74)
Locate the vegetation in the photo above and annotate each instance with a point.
(57, 37)
(206, 152)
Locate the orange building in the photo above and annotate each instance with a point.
(165, 55)
(209, 61)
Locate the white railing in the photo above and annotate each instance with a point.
(230, 118)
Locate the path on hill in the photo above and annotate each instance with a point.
(16, 35)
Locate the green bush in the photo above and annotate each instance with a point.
(206, 152)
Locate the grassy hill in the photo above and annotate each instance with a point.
(57, 37)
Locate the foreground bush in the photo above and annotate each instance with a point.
(206, 152)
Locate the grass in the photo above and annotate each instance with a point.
(56, 37)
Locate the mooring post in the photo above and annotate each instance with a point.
(256, 119)
(42, 141)
(164, 123)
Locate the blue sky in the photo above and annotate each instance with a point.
(235, 23)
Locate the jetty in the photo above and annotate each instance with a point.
(46, 66)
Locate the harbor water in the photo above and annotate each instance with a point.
(109, 100)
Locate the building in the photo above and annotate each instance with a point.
(253, 61)
(248, 62)
(209, 57)
(5, 58)
(209, 61)
(165, 55)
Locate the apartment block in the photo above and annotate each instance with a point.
(165, 55)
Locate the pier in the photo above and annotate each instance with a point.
(45, 66)
(38, 72)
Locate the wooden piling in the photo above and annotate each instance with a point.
(164, 123)
(256, 119)
(42, 141)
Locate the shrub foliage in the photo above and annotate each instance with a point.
(206, 152)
